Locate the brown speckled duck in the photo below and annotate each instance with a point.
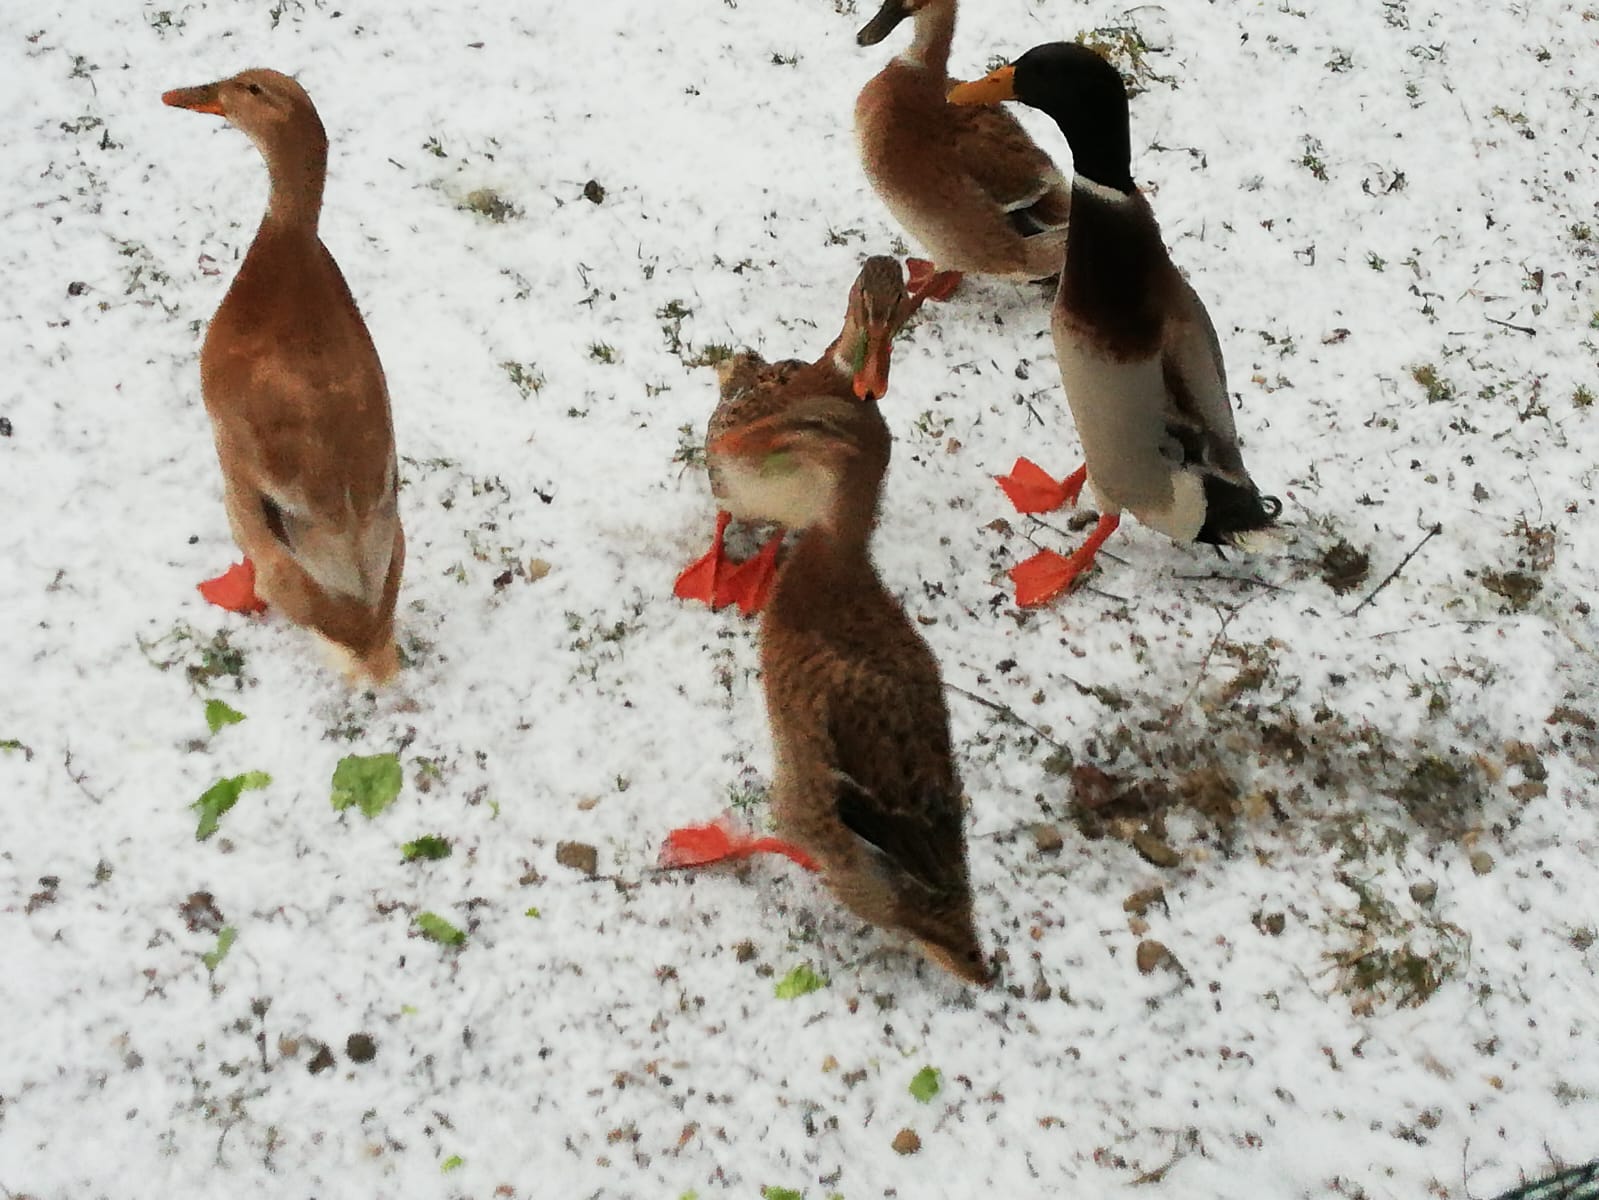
(854, 366)
(967, 183)
(1138, 355)
(298, 403)
(865, 788)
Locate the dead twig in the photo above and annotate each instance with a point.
(1436, 529)
(1530, 332)
(79, 778)
(1008, 712)
(1244, 579)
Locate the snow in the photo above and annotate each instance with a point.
(615, 1044)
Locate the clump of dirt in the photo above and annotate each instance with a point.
(1343, 568)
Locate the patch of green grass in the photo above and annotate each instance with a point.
(525, 377)
(1312, 161)
(429, 846)
(1124, 47)
(1433, 384)
(709, 355)
(801, 981)
(369, 782)
(1582, 397)
(436, 929)
(222, 796)
(1391, 957)
(690, 452)
(490, 205)
(602, 352)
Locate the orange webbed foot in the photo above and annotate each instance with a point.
(234, 589)
(703, 577)
(1042, 577)
(750, 583)
(1033, 490)
(1047, 574)
(926, 282)
(701, 845)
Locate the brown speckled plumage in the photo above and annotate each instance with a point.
(969, 184)
(865, 779)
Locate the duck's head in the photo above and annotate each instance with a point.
(270, 107)
(1083, 94)
(878, 306)
(887, 20)
(797, 467)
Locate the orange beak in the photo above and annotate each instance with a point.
(206, 99)
(871, 380)
(990, 89)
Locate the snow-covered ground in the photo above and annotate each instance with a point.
(1369, 811)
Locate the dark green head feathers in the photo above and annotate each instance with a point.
(1087, 99)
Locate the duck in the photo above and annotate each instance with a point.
(854, 366)
(969, 184)
(865, 788)
(1139, 356)
(298, 402)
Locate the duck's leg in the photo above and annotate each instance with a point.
(703, 578)
(1046, 575)
(701, 845)
(928, 283)
(234, 589)
(1033, 490)
(750, 582)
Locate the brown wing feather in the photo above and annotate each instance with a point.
(996, 152)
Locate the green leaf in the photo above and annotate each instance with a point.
(691, 1194)
(925, 1084)
(213, 958)
(798, 982)
(439, 930)
(426, 846)
(533, 912)
(370, 782)
(219, 713)
(221, 796)
(452, 1163)
(777, 1193)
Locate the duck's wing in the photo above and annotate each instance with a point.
(1200, 425)
(997, 154)
(1199, 414)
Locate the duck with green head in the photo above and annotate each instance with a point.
(1139, 357)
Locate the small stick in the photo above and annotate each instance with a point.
(1245, 579)
(1006, 711)
(1389, 578)
(1518, 328)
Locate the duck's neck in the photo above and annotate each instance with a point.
(934, 32)
(295, 200)
(832, 556)
(840, 357)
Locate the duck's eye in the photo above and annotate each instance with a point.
(255, 89)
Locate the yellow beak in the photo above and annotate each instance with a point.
(990, 89)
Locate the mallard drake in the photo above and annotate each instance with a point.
(855, 366)
(298, 403)
(969, 184)
(865, 788)
(1138, 355)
